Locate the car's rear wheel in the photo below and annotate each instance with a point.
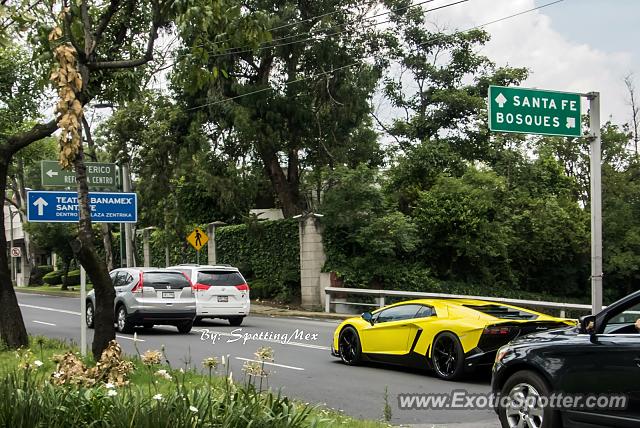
(235, 321)
(124, 326)
(89, 315)
(185, 327)
(520, 405)
(349, 346)
(148, 325)
(447, 356)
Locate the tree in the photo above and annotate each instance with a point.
(296, 101)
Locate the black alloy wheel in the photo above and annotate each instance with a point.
(349, 346)
(447, 357)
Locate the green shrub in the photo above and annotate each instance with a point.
(72, 278)
(45, 269)
(53, 278)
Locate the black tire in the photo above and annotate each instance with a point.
(349, 346)
(235, 321)
(90, 315)
(123, 324)
(185, 327)
(447, 356)
(519, 386)
(148, 325)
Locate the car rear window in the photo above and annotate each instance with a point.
(503, 312)
(164, 280)
(216, 278)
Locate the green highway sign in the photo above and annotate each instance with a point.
(99, 175)
(533, 111)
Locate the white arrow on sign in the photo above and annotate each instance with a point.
(501, 99)
(51, 173)
(40, 203)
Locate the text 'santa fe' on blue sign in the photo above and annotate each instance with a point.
(105, 207)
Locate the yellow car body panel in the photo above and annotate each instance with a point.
(460, 317)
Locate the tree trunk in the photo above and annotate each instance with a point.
(288, 193)
(85, 252)
(30, 274)
(12, 330)
(65, 272)
(107, 242)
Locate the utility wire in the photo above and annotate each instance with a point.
(476, 27)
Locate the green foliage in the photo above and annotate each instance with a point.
(72, 278)
(268, 251)
(53, 278)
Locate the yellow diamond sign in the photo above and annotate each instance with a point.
(198, 238)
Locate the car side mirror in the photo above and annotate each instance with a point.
(588, 324)
(367, 316)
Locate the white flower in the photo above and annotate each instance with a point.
(164, 374)
(157, 397)
(193, 409)
(38, 363)
(181, 370)
(109, 385)
(112, 393)
(57, 375)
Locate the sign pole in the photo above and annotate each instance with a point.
(197, 257)
(596, 202)
(126, 187)
(83, 311)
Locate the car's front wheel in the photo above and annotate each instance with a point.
(447, 356)
(124, 326)
(90, 315)
(349, 346)
(520, 404)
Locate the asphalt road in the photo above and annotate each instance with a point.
(303, 367)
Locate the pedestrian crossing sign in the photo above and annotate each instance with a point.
(198, 238)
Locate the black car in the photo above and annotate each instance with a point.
(596, 365)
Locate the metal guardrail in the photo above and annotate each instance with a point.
(380, 296)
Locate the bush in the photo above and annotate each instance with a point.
(45, 269)
(53, 278)
(72, 278)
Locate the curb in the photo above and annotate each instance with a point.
(256, 309)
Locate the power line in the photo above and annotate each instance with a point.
(244, 49)
(476, 27)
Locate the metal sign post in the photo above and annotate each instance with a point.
(83, 311)
(596, 201)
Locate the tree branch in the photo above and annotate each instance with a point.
(37, 132)
(148, 55)
(104, 21)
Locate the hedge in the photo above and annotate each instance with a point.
(53, 278)
(72, 278)
(267, 252)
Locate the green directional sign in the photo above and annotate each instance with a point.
(99, 175)
(533, 111)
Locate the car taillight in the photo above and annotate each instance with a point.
(497, 330)
(243, 287)
(138, 287)
(201, 287)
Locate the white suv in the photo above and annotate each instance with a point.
(221, 291)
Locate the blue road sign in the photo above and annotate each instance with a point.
(62, 207)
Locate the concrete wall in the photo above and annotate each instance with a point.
(312, 258)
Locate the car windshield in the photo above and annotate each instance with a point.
(504, 312)
(164, 279)
(220, 278)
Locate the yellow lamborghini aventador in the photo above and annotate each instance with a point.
(450, 336)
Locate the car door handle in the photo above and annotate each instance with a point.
(637, 361)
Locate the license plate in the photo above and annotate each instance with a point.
(223, 298)
(168, 295)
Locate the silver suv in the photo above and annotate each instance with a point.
(149, 296)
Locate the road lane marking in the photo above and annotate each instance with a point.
(45, 323)
(130, 338)
(42, 308)
(303, 345)
(271, 364)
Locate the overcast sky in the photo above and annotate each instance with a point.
(574, 45)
